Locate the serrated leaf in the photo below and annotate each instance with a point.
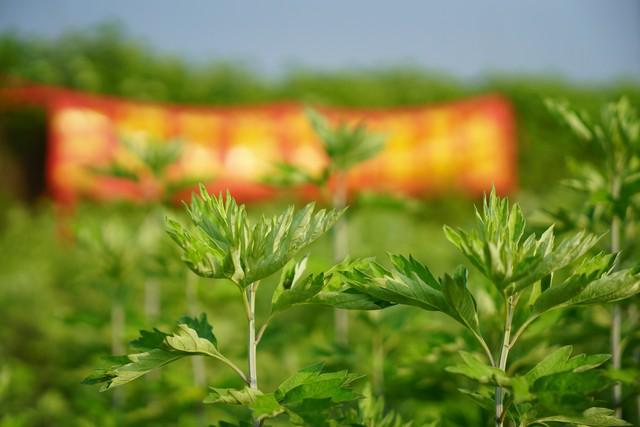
(312, 383)
(473, 368)
(231, 396)
(266, 406)
(461, 302)
(556, 363)
(568, 251)
(349, 299)
(561, 361)
(409, 283)
(223, 243)
(292, 289)
(591, 269)
(613, 287)
(186, 341)
(594, 417)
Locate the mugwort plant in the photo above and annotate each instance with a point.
(222, 243)
(531, 275)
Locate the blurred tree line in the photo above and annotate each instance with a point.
(107, 60)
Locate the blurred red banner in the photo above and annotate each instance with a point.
(464, 147)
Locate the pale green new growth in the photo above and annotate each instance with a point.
(224, 244)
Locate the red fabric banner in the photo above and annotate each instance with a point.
(465, 146)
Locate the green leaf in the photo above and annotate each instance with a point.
(558, 362)
(292, 290)
(613, 287)
(568, 252)
(289, 175)
(349, 299)
(138, 364)
(595, 417)
(482, 397)
(591, 269)
(409, 283)
(578, 121)
(338, 291)
(312, 383)
(266, 406)
(561, 361)
(497, 247)
(475, 369)
(193, 336)
(345, 145)
(230, 396)
(462, 305)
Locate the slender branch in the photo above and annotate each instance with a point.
(485, 347)
(250, 298)
(245, 300)
(504, 354)
(263, 329)
(233, 366)
(253, 375)
(616, 315)
(522, 328)
(340, 248)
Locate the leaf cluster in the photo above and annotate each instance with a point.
(307, 397)
(223, 243)
(345, 146)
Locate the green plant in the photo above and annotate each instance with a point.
(148, 165)
(531, 276)
(223, 244)
(610, 188)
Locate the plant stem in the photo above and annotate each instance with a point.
(197, 363)
(340, 248)
(251, 301)
(198, 368)
(485, 347)
(151, 299)
(377, 356)
(616, 315)
(233, 366)
(523, 328)
(504, 354)
(117, 339)
(252, 343)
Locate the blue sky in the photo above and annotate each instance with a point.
(583, 40)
